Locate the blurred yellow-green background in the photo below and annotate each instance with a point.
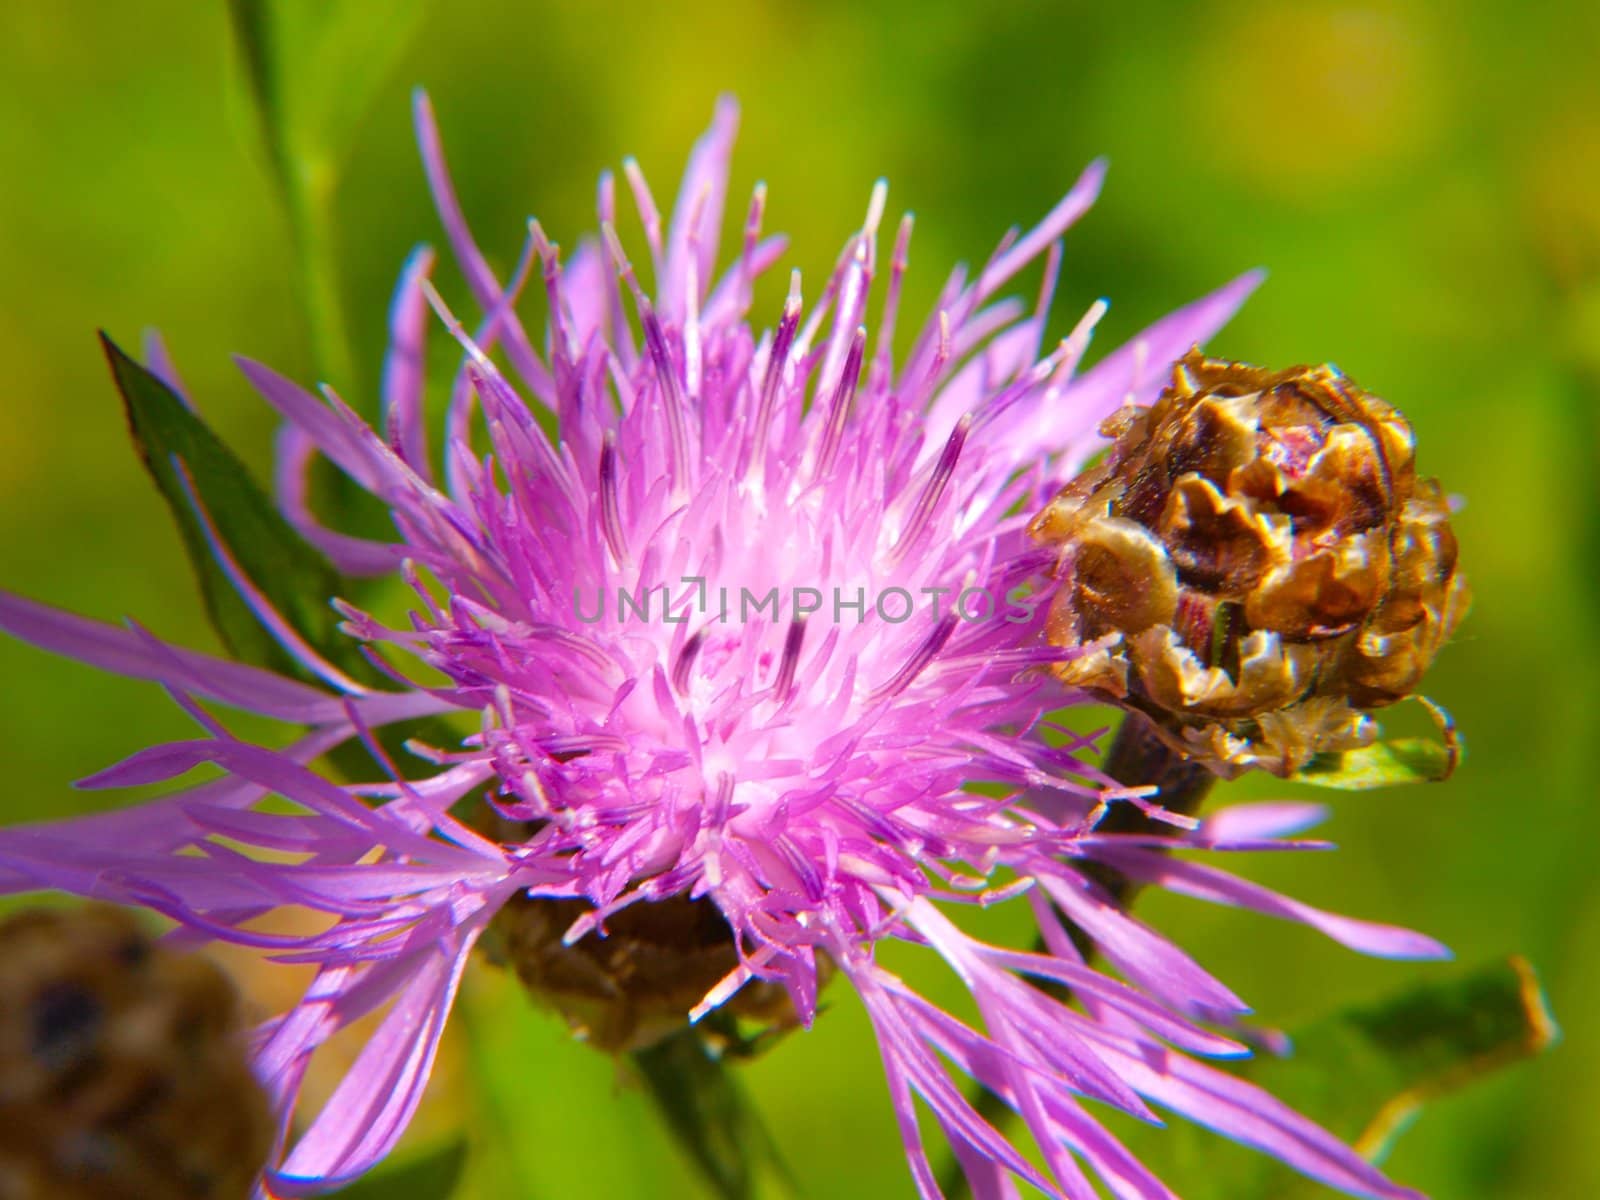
(1421, 179)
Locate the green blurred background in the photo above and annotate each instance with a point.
(1422, 180)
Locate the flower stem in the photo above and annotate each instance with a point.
(1140, 758)
(308, 194)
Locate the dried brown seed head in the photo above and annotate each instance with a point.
(1255, 564)
(124, 1071)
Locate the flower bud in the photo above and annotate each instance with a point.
(1254, 565)
(124, 1072)
(636, 985)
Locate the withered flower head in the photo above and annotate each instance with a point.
(123, 1066)
(1255, 564)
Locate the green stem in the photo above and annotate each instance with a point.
(307, 184)
(1139, 758)
(308, 194)
(707, 1113)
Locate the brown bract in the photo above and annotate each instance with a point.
(124, 1072)
(636, 985)
(633, 984)
(1254, 565)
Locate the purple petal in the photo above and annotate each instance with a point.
(334, 437)
(1219, 887)
(1078, 200)
(485, 287)
(1140, 953)
(700, 198)
(1248, 822)
(159, 363)
(361, 557)
(1133, 374)
(140, 655)
(1245, 1113)
(369, 1110)
(403, 365)
(75, 854)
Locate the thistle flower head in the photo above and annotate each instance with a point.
(736, 641)
(1255, 564)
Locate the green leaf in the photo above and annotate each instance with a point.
(432, 1175)
(1382, 764)
(1387, 763)
(709, 1116)
(1365, 1073)
(293, 576)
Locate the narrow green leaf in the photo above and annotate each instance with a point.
(297, 580)
(432, 1175)
(709, 1116)
(1387, 763)
(1365, 1073)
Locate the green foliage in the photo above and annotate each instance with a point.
(1390, 762)
(314, 67)
(1364, 1074)
(1382, 764)
(709, 1115)
(513, 1051)
(191, 466)
(431, 1175)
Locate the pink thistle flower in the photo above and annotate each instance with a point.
(745, 631)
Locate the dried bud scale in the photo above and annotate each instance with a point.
(123, 1066)
(1255, 564)
(629, 983)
